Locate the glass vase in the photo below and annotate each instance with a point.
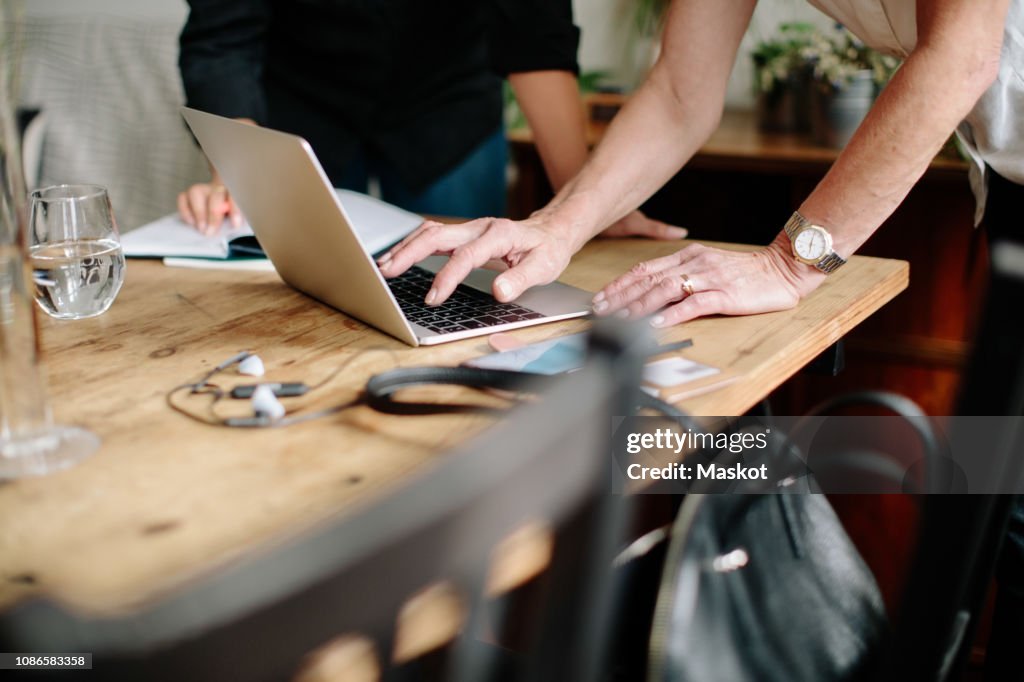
(30, 443)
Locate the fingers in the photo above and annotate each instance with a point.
(670, 289)
(235, 215)
(640, 278)
(610, 298)
(466, 258)
(538, 267)
(217, 209)
(428, 239)
(655, 229)
(198, 201)
(185, 210)
(621, 298)
(204, 207)
(533, 256)
(408, 239)
(636, 224)
(700, 304)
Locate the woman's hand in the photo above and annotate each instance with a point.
(636, 224)
(205, 205)
(535, 252)
(723, 283)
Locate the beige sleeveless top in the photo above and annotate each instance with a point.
(993, 133)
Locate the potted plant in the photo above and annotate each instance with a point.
(847, 77)
(648, 15)
(781, 79)
(644, 41)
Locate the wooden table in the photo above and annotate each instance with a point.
(166, 498)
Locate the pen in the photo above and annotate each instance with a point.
(669, 347)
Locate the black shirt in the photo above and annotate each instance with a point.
(418, 82)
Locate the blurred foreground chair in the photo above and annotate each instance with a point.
(348, 581)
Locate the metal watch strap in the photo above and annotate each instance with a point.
(828, 263)
(793, 225)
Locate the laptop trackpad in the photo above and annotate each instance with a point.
(550, 300)
(480, 279)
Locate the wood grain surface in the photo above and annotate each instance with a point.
(167, 499)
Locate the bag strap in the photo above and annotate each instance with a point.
(381, 389)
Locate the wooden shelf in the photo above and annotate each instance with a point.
(739, 145)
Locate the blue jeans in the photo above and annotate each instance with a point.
(473, 189)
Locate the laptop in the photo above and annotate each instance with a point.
(303, 227)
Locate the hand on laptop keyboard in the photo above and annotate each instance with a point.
(466, 308)
(535, 253)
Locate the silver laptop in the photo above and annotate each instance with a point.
(303, 228)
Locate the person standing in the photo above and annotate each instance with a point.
(403, 91)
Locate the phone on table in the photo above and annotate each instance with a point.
(554, 356)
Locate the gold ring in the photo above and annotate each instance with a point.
(687, 285)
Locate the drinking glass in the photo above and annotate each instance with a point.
(76, 255)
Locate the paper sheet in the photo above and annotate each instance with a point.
(171, 236)
(247, 264)
(676, 371)
(377, 223)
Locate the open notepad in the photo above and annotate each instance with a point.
(377, 223)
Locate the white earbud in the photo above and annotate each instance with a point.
(266, 404)
(251, 365)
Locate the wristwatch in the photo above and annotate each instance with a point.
(812, 244)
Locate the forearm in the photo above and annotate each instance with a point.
(911, 120)
(551, 103)
(648, 142)
(663, 124)
(955, 61)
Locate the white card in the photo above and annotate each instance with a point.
(676, 371)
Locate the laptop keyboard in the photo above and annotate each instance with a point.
(466, 308)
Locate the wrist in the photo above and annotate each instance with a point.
(568, 220)
(812, 244)
(802, 277)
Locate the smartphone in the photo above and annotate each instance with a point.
(555, 356)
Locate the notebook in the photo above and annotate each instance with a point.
(377, 223)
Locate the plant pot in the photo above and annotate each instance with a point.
(642, 53)
(785, 108)
(836, 113)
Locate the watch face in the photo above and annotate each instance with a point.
(812, 244)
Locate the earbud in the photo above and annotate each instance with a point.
(251, 365)
(265, 403)
(240, 357)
